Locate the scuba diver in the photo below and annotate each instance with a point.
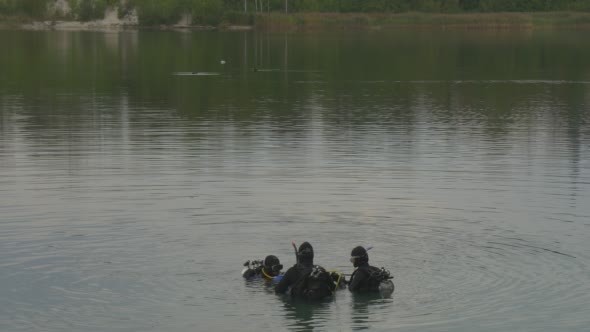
(303, 266)
(306, 280)
(269, 269)
(368, 278)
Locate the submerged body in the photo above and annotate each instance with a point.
(370, 279)
(269, 269)
(367, 278)
(305, 280)
(293, 274)
(303, 267)
(361, 280)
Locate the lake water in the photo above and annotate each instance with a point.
(138, 173)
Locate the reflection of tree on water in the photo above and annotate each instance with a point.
(361, 309)
(305, 316)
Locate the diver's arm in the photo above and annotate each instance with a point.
(285, 282)
(356, 280)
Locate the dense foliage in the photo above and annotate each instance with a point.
(33, 8)
(153, 12)
(86, 10)
(83, 10)
(213, 12)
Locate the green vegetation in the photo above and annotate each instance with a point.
(86, 10)
(216, 7)
(318, 21)
(205, 12)
(30, 8)
(249, 12)
(83, 10)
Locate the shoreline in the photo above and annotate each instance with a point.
(332, 21)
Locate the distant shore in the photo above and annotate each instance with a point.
(334, 21)
(327, 21)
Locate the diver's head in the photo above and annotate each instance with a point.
(305, 252)
(359, 256)
(272, 265)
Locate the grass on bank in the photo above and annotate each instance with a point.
(341, 21)
(312, 21)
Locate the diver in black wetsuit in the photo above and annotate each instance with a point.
(306, 280)
(268, 269)
(303, 267)
(368, 278)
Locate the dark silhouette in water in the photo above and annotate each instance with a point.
(306, 280)
(268, 269)
(303, 266)
(368, 278)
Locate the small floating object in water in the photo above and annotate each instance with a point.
(192, 73)
(256, 69)
(222, 62)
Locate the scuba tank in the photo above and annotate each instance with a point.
(252, 268)
(386, 286)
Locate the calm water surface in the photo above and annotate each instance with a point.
(138, 173)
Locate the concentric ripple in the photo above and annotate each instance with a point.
(467, 274)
